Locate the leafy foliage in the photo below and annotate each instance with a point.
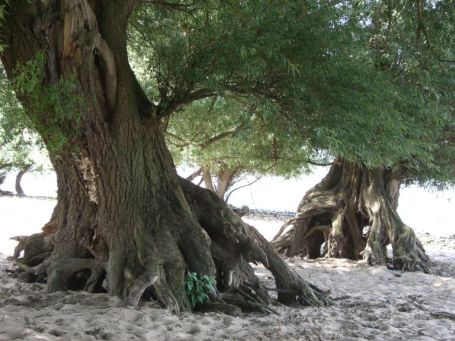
(413, 44)
(369, 81)
(24, 151)
(20, 147)
(228, 138)
(226, 133)
(258, 48)
(198, 286)
(59, 98)
(342, 78)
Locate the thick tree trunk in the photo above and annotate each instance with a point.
(208, 182)
(122, 221)
(119, 201)
(351, 214)
(224, 181)
(20, 192)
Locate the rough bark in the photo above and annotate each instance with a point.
(235, 244)
(225, 179)
(122, 221)
(352, 214)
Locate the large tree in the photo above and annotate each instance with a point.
(352, 212)
(123, 217)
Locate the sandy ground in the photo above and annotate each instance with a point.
(370, 303)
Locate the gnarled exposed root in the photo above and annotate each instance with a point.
(31, 274)
(235, 244)
(407, 256)
(327, 222)
(414, 259)
(154, 278)
(61, 270)
(409, 253)
(37, 247)
(246, 301)
(332, 215)
(164, 259)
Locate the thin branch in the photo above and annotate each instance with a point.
(389, 22)
(176, 103)
(184, 143)
(166, 4)
(144, 36)
(237, 188)
(220, 136)
(196, 95)
(446, 60)
(420, 24)
(316, 163)
(194, 175)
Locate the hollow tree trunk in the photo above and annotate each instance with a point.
(19, 176)
(122, 219)
(332, 216)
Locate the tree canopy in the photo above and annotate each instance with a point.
(366, 90)
(227, 139)
(413, 44)
(334, 78)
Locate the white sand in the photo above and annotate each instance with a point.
(21, 216)
(370, 303)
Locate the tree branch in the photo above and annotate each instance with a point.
(220, 136)
(171, 5)
(389, 22)
(446, 60)
(176, 103)
(184, 142)
(194, 175)
(316, 163)
(237, 188)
